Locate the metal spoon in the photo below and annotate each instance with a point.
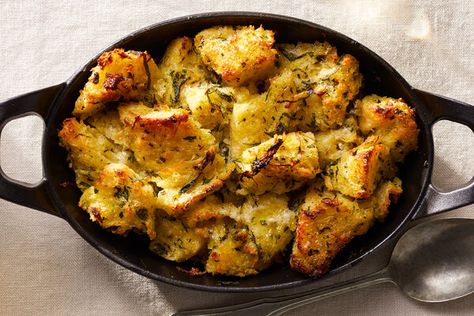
(432, 262)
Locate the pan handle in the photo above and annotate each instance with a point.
(442, 108)
(34, 103)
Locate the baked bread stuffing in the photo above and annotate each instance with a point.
(232, 152)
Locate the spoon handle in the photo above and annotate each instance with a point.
(277, 305)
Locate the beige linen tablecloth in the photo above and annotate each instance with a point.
(47, 269)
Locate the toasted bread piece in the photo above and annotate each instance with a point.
(237, 54)
(316, 83)
(120, 202)
(310, 92)
(268, 220)
(119, 76)
(180, 66)
(178, 157)
(386, 194)
(392, 120)
(359, 170)
(210, 105)
(89, 151)
(254, 121)
(333, 143)
(232, 250)
(272, 224)
(281, 164)
(326, 223)
(176, 241)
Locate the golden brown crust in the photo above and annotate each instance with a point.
(238, 55)
(326, 223)
(392, 120)
(232, 250)
(181, 157)
(358, 171)
(316, 84)
(119, 76)
(281, 164)
(89, 151)
(118, 202)
(244, 237)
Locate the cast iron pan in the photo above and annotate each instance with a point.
(54, 104)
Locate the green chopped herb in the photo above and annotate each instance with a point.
(156, 189)
(84, 184)
(295, 203)
(131, 158)
(224, 151)
(216, 128)
(142, 214)
(313, 124)
(266, 96)
(289, 55)
(208, 159)
(281, 128)
(188, 185)
(147, 71)
(122, 192)
(190, 138)
(238, 200)
(150, 100)
(227, 97)
(178, 79)
(214, 106)
(212, 76)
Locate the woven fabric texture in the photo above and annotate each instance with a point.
(47, 269)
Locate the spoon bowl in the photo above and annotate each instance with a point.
(434, 261)
(431, 262)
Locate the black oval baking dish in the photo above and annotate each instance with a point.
(54, 104)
